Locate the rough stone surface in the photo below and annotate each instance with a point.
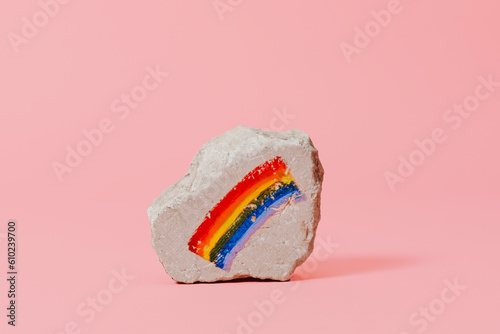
(277, 247)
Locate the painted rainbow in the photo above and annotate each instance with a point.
(231, 222)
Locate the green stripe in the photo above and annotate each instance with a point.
(241, 218)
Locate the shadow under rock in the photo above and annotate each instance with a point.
(352, 265)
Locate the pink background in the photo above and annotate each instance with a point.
(395, 248)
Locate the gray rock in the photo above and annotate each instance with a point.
(270, 251)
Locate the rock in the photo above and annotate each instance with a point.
(248, 206)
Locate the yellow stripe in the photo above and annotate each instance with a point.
(287, 178)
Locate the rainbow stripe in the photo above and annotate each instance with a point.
(231, 222)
